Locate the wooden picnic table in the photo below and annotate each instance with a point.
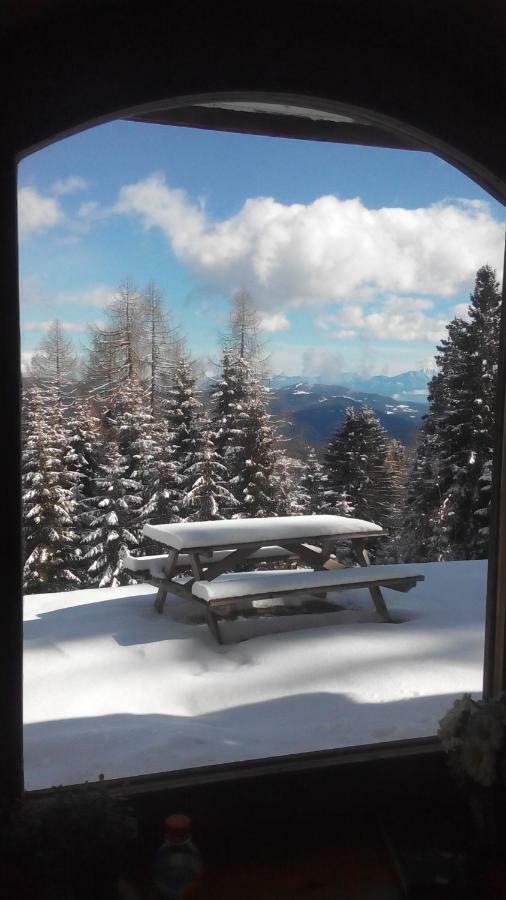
(211, 549)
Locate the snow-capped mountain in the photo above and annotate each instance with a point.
(312, 413)
(405, 387)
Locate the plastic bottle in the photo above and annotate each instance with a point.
(177, 865)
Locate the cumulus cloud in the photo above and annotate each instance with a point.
(269, 323)
(98, 295)
(329, 366)
(327, 250)
(43, 327)
(461, 310)
(399, 319)
(36, 211)
(69, 185)
(32, 293)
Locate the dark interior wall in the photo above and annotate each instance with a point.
(437, 67)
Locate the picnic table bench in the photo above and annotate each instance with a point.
(214, 550)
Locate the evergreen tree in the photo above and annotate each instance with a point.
(422, 534)
(158, 346)
(242, 339)
(288, 502)
(83, 451)
(468, 430)
(208, 495)
(357, 469)
(112, 510)
(458, 436)
(133, 425)
(254, 479)
(49, 504)
(310, 488)
(82, 464)
(54, 363)
(183, 417)
(115, 355)
(390, 551)
(229, 394)
(161, 494)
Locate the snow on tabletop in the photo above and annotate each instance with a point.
(242, 531)
(111, 686)
(241, 584)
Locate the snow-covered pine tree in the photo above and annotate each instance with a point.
(81, 461)
(422, 534)
(112, 510)
(158, 347)
(310, 487)
(161, 492)
(456, 439)
(208, 498)
(484, 329)
(242, 339)
(254, 481)
(356, 466)
(49, 504)
(133, 425)
(288, 502)
(183, 416)
(228, 395)
(115, 355)
(458, 436)
(54, 363)
(390, 551)
(83, 451)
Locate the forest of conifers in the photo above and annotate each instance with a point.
(127, 434)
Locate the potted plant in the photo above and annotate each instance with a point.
(473, 734)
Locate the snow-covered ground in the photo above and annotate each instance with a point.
(112, 687)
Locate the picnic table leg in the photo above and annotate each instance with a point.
(213, 625)
(379, 603)
(377, 597)
(161, 594)
(196, 565)
(163, 590)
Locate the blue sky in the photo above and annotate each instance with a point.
(356, 257)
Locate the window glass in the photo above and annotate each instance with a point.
(225, 328)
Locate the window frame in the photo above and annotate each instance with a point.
(73, 110)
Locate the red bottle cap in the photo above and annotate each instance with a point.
(177, 828)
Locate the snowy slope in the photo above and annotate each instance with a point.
(112, 687)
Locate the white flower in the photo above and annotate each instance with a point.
(478, 761)
(452, 723)
(487, 727)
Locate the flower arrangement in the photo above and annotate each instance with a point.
(473, 734)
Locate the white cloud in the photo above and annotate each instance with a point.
(69, 185)
(36, 211)
(327, 250)
(461, 310)
(269, 323)
(43, 327)
(99, 295)
(33, 294)
(327, 364)
(399, 319)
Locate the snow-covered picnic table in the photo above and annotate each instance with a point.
(214, 550)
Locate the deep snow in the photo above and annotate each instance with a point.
(112, 687)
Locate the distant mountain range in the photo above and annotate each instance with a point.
(311, 413)
(407, 386)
